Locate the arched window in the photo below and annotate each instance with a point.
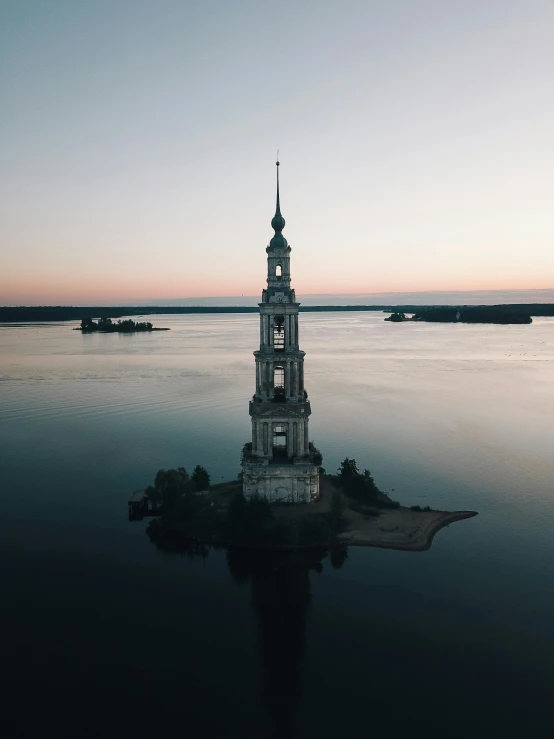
(278, 271)
(279, 334)
(279, 378)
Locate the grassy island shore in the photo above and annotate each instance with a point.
(214, 516)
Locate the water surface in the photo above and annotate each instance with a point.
(104, 635)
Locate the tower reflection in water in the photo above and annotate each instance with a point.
(281, 598)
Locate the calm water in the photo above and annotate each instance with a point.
(104, 635)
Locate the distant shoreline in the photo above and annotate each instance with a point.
(28, 314)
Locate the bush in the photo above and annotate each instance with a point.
(361, 487)
(416, 508)
(169, 485)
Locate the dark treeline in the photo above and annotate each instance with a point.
(106, 325)
(15, 314)
(468, 314)
(475, 314)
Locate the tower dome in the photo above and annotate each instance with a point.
(278, 222)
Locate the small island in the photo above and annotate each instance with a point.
(501, 314)
(398, 317)
(351, 511)
(106, 326)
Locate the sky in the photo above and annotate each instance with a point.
(138, 144)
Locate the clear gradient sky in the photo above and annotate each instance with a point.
(138, 141)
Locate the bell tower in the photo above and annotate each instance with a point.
(278, 464)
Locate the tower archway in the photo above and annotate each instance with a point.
(280, 441)
(279, 334)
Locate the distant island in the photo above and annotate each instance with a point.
(106, 326)
(503, 314)
(351, 510)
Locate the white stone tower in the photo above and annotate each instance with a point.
(280, 463)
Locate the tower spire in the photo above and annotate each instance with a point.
(278, 208)
(278, 222)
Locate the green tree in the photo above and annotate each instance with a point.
(348, 469)
(361, 487)
(368, 479)
(200, 477)
(172, 484)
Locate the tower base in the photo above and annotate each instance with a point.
(281, 482)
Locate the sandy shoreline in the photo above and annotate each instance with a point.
(396, 528)
(400, 528)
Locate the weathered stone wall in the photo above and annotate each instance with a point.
(287, 483)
